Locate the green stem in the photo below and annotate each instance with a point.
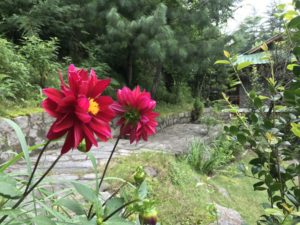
(36, 165)
(113, 194)
(32, 188)
(120, 208)
(103, 175)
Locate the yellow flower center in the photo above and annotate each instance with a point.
(94, 107)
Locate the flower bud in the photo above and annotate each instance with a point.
(149, 217)
(100, 221)
(82, 146)
(139, 175)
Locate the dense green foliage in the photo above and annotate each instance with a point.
(26, 69)
(271, 130)
(167, 47)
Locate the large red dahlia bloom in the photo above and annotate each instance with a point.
(79, 109)
(135, 108)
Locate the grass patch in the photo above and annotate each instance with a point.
(183, 196)
(12, 110)
(166, 109)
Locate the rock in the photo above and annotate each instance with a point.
(23, 122)
(227, 216)
(105, 195)
(150, 171)
(223, 192)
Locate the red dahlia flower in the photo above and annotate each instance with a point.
(135, 108)
(79, 109)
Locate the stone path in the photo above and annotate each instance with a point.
(75, 165)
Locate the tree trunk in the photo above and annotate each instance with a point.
(129, 69)
(156, 80)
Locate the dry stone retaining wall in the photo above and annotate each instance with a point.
(35, 127)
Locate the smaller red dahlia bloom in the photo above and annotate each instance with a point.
(135, 109)
(80, 110)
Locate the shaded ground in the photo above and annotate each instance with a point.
(75, 165)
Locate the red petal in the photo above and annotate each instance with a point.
(52, 135)
(83, 88)
(50, 107)
(73, 78)
(78, 134)
(118, 108)
(98, 89)
(63, 123)
(101, 129)
(53, 94)
(83, 74)
(83, 116)
(89, 135)
(106, 115)
(105, 100)
(69, 143)
(88, 144)
(83, 103)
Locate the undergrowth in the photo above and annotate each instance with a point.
(185, 197)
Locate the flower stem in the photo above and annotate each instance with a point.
(36, 165)
(103, 175)
(32, 188)
(116, 192)
(120, 208)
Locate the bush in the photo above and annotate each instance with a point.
(208, 158)
(14, 73)
(197, 110)
(42, 58)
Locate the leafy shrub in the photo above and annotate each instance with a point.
(198, 109)
(272, 134)
(208, 158)
(41, 56)
(14, 73)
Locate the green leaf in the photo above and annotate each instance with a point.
(296, 129)
(143, 190)
(233, 130)
(295, 22)
(71, 205)
(274, 211)
(292, 199)
(243, 65)
(226, 54)
(53, 212)
(42, 220)
(257, 102)
(10, 212)
(291, 15)
(258, 186)
(225, 62)
(8, 190)
(296, 51)
(118, 221)
(254, 118)
(262, 97)
(290, 67)
(241, 138)
(113, 204)
(86, 192)
(17, 157)
(22, 141)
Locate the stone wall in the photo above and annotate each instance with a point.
(35, 127)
